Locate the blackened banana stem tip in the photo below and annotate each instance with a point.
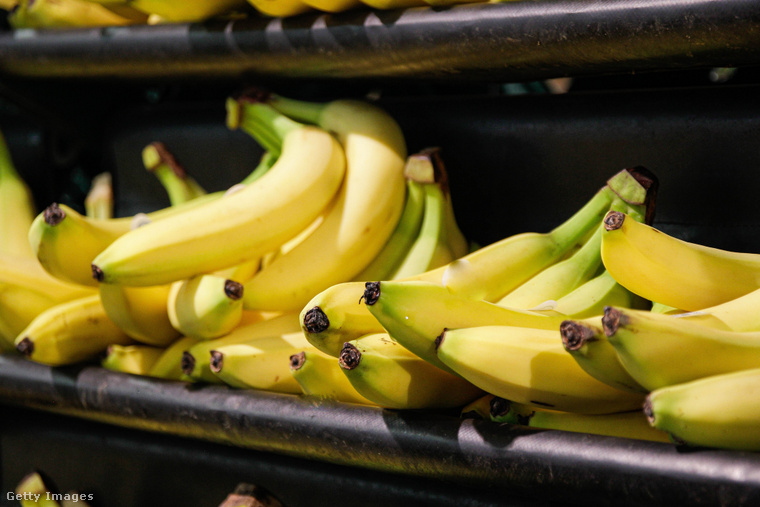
(297, 361)
(25, 347)
(97, 273)
(614, 220)
(53, 215)
(499, 407)
(315, 321)
(233, 289)
(611, 320)
(648, 410)
(349, 357)
(439, 339)
(187, 363)
(371, 293)
(575, 335)
(217, 361)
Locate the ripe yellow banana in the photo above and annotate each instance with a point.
(529, 366)
(205, 306)
(17, 207)
(416, 313)
(242, 226)
(261, 363)
(662, 268)
(99, 200)
(180, 186)
(280, 8)
(592, 297)
(320, 375)
(136, 359)
(479, 408)
(180, 11)
(662, 350)
(141, 312)
(333, 5)
(196, 360)
(68, 14)
(169, 363)
(719, 411)
(386, 373)
(70, 332)
(393, 4)
(366, 211)
(586, 342)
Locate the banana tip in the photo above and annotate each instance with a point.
(613, 220)
(575, 335)
(349, 357)
(297, 361)
(649, 410)
(499, 407)
(439, 339)
(53, 214)
(611, 320)
(233, 289)
(25, 346)
(315, 321)
(217, 361)
(97, 273)
(371, 293)
(187, 363)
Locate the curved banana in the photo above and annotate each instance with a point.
(280, 8)
(205, 306)
(592, 297)
(68, 14)
(180, 187)
(196, 360)
(70, 332)
(718, 411)
(386, 373)
(261, 363)
(333, 5)
(243, 225)
(180, 11)
(480, 408)
(141, 312)
(416, 313)
(674, 272)
(320, 375)
(366, 211)
(135, 359)
(586, 342)
(98, 203)
(17, 207)
(529, 366)
(393, 4)
(662, 350)
(169, 364)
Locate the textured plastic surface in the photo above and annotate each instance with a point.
(514, 41)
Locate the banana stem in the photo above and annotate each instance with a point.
(7, 168)
(308, 112)
(576, 227)
(261, 121)
(265, 164)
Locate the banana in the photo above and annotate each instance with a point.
(250, 495)
(589, 299)
(135, 359)
(479, 408)
(529, 366)
(34, 490)
(70, 332)
(662, 350)
(586, 342)
(416, 313)
(179, 11)
(98, 202)
(720, 411)
(196, 360)
(169, 363)
(673, 272)
(393, 4)
(141, 312)
(205, 306)
(333, 5)
(180, 187)
(261, 363)
(320, 375)
(68, 14)
(17, 207)
(386, 373)
(280, 8)
(367, 209)
(631, 424)
(243, 225)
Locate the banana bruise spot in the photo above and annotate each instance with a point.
(297, 361)
(315, 320)
(499, 407)
(575, 335)
(217, 361)
(25, 347)
(97, 273)
(233, 289)
(53, 215)
(439, 338)
(614, 220)
(187, 363)
(349, 357)
(612, 320)
(371, 293)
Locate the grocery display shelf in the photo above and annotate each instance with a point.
(500, 461)
(515, 40)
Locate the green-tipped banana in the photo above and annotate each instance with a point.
(529, 366)
(721, 411)
(17, 207)
(180, 187)
(261, 363)
(416, 313)
(662, 350)
(589, 299)
(205, 306)
(320, 375)
(386, 373)
(135, 359)
(169, 363)
(241, 226)
(586, 342)
(71, 332)
(98, 203)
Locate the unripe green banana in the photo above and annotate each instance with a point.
(589, 299)
(320, 375)
(136, 359)
(720, 411)
(529, 366)
(386, 373)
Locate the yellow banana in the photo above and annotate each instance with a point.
(586, 342)
(718, 411)
(416, 313)
(393, 4)
(243, 225)
(98, 202)
(35, 491)
(261, 363)
(141, 312)
(386, 373)
(205, 306)
(17, 207)
(366, 211)
(135, 359)
(674, 272)
(320, 375)
(590, 298)
(529, 366)
(169, 363)
(662, 350)
(180, 11)
(479, 408)
(70, 332)
(333, 5)
(68, 14)
(196, 360)
(280, 8)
